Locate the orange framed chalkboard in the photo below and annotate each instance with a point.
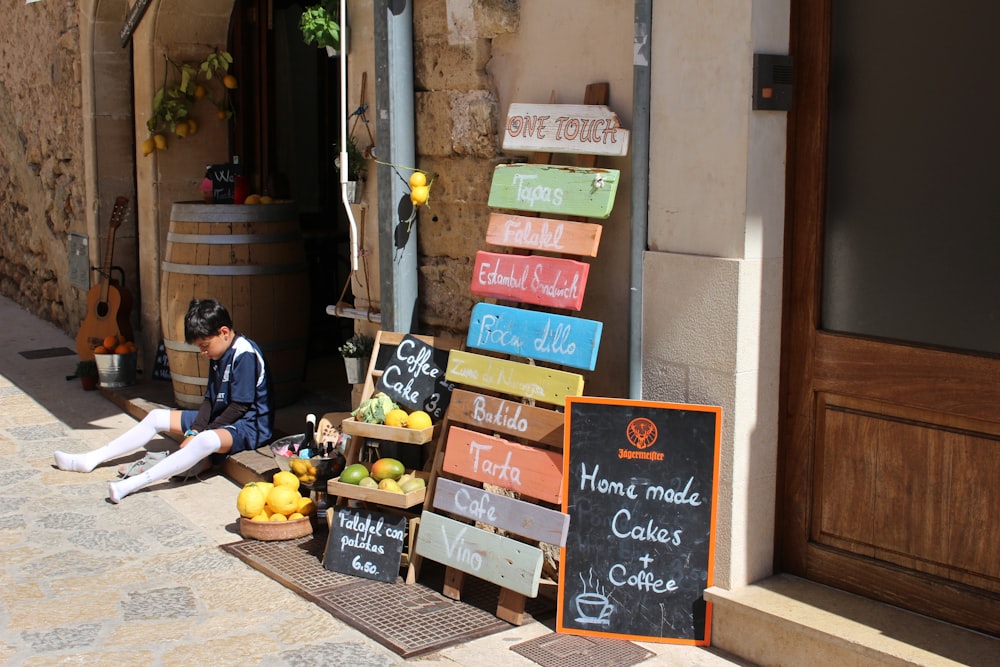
(640, 482)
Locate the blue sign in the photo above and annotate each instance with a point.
(559, 339)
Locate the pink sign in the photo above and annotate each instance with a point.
(536, 279)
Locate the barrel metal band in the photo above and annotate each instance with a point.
(189, 379)
(233, 270)
(233, 239)
(178, 346)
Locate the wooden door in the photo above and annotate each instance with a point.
(890, 444)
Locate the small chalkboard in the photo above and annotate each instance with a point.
(223, 177)
(415, 377)
(365, 543)
(161, 367)
(640, 485)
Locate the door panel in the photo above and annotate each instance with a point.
(889, 451)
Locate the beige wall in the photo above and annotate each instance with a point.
(594, 45)
(712, 284)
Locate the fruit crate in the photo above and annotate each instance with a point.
(400, 500)
(409, 436)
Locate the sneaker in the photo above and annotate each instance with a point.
(195, 470)
(142, 465)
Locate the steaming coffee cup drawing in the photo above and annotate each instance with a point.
(594, 608)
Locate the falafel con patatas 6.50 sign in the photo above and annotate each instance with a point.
(640, 482)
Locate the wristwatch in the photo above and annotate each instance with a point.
(190, 432)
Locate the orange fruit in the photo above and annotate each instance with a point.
(110, 342)
(122, 349)
(199, 91)
(229, 81)
(131, 346)
(100, 349)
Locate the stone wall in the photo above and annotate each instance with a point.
(41, 158)
(457, 119)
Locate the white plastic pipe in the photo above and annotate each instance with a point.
(343, 136)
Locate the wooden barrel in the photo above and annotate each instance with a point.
(253, 261)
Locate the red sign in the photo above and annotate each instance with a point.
(543, 281)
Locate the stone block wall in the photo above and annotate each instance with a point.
(41, 158)
(457, 122)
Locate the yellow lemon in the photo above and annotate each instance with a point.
(283, 499)
(396, 417)
(229, 81)
(418, 420)
(278, 517)
(419, 195)
(192, 126)
(307, 506)
(148, 146)
(181, 129)
(299, 466)
(250, 500)
(417, 179)
(251, 200)
(295, 515)
(160, 141)
(265, 488)
(286, 478)
(264, 515)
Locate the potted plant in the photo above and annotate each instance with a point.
(87, 372)
(357, 352)
(320, 26)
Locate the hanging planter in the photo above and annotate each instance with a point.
(357, 351)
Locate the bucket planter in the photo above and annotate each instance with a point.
(116, 370)
(357, 351)
(356, 368)
(87, 372)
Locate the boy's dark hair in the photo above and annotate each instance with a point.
(204, 319)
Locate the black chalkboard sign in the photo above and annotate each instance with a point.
(414, 377)
(640, 491)
(223, 177)
(365, 543)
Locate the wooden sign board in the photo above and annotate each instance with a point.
(365, 543)
(498, 415)
(588, 193)
(564, 128)
(489, 556)
(641, 481)
(414, 377)
(559, 339)
(545, 235)
(510, 377)
(543, 281)
(515, 516)
(529, 471)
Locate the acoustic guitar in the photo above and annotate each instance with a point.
(108, 303)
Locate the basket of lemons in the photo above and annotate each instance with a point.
(275, 510)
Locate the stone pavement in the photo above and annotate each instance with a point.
(145, 582)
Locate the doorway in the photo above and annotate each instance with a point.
(890, 434)
(285, 134)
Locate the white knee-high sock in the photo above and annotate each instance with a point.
(157, 420)
(200, 446)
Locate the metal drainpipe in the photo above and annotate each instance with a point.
(394, 123)
(640, 186)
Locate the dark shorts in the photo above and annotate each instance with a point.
(244, 435)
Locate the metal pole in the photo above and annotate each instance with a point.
(642, 61)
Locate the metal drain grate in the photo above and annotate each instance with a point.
(46, 353)
(407, 619)
(555, 650)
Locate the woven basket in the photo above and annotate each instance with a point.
(275, 530)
